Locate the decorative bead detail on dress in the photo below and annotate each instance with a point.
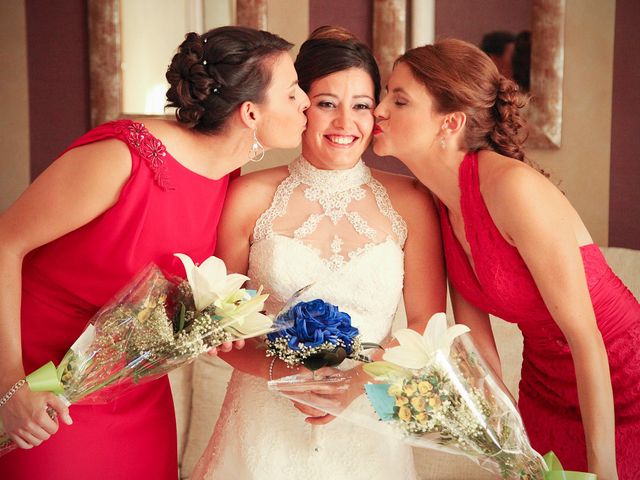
(149, 148)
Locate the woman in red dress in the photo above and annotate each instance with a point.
(123, 195)
(517, 249)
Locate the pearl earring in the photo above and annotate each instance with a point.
(257, 150)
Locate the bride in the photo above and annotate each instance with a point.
(359, 235)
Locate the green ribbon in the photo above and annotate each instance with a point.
(45, 379)
(557, 473)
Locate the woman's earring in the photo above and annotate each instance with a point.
(257, 150)
(443, 143)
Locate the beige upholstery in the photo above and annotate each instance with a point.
(199, 390)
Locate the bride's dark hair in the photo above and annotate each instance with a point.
(332, 49)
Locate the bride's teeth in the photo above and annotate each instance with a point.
(341, 140)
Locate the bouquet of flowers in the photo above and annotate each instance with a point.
(435, 391)
(320, 335)
(151, 327)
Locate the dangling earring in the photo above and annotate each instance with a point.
(443, 140)
(257, 150)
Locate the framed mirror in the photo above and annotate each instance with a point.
(130, 81)
(393, 20)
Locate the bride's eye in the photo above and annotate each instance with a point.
(362, 106)
(326, 104)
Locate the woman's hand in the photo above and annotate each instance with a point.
(333, 391)
(226, 347)
(26, 418)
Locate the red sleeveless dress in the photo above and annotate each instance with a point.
(163, 208)
(503, 286)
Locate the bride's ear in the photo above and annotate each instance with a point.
(249, 114)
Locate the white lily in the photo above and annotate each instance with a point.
(209, 281)
(243, 313)
(417, 351)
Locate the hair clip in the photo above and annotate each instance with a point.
(205, 40)
(204, 62)
(217, 89)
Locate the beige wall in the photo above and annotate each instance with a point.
(14, 123)
(582, 163)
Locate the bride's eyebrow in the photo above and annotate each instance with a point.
(335, 96)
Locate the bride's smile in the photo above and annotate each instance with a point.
(340, 119)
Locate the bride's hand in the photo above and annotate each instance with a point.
(314, 416)
(327, 396)
(226, 347)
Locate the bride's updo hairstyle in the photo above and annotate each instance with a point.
(462, 78)
(214, 73)
(332, 49)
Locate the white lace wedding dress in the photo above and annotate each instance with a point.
(336, 228)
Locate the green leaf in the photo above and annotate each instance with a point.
(336, 357)
(315, 362)
(181, 317)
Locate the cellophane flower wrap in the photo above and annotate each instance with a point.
(432, 391)
(152, 326)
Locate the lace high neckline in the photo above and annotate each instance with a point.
(330, 180)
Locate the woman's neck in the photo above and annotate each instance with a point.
(439, 173)
(212, 156)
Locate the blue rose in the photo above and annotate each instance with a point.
(317, 322)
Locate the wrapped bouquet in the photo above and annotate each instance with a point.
(435, 391)
(154, 325)
(319, 335)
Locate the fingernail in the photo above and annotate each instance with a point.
(68, 420)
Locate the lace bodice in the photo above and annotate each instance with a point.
(338, 230)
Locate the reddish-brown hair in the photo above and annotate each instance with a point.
(462, 78)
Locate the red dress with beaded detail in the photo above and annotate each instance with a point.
(502, 285)
(163, 208)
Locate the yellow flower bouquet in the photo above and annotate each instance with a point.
(434, 391)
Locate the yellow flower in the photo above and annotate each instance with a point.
(424, 387)
(395, 390)
(410, 388)
(422, 417)
(400, 401)
(418, 403)
(434, 402)
(404, 413)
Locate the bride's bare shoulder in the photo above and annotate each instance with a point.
(255, 190)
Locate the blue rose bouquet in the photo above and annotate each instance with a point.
(320, 335)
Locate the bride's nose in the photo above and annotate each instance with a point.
(343, 117)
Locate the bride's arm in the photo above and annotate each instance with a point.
(247, 198)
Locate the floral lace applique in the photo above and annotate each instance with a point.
(149, 148)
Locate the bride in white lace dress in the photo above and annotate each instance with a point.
(360, 235)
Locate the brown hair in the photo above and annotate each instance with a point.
(462, 78)
(213, 73)
(331, 49)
